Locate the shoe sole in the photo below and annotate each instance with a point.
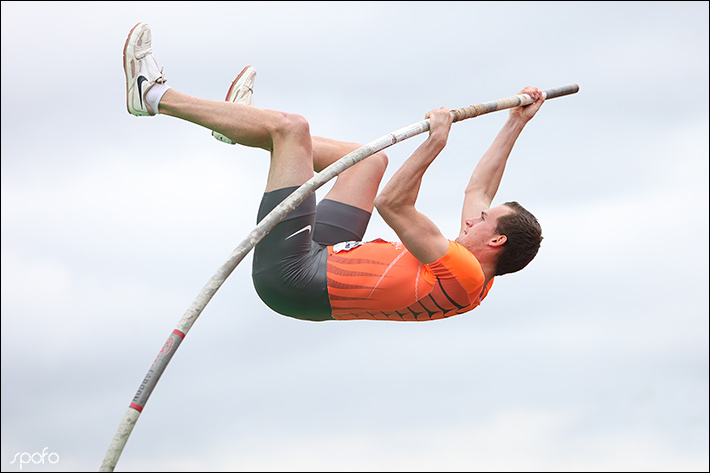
(234, 82)
(219, 136)
(125, 63)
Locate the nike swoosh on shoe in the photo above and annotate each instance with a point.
(140, 80)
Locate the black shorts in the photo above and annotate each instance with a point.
(290, 262)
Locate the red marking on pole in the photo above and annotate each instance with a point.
(136, 407)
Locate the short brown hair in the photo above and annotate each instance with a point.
(523, 237)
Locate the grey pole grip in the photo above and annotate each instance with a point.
(510, 102)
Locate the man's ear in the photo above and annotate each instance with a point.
(497, 241)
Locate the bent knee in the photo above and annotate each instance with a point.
(290, 124)
(376, 163)
(380, 159)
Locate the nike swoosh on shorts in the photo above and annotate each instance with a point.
(307, 228)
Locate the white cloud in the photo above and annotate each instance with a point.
(594, 357)
(512, 440)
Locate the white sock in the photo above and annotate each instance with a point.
(153, 96)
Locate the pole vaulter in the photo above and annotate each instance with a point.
(264, 226)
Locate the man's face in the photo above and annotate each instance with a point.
(480, 230)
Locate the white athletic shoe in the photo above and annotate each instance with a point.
(241, 91)
(141, 68)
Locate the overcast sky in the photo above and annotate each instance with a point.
(594, 358)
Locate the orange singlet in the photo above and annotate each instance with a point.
(381, 280)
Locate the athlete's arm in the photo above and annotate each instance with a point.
(488, 173)
(396, 202)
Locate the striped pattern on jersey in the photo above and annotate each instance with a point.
(381, 280)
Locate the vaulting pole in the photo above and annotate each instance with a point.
(264, 227)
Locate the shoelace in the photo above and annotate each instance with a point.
(149, 52)
(161, 79)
